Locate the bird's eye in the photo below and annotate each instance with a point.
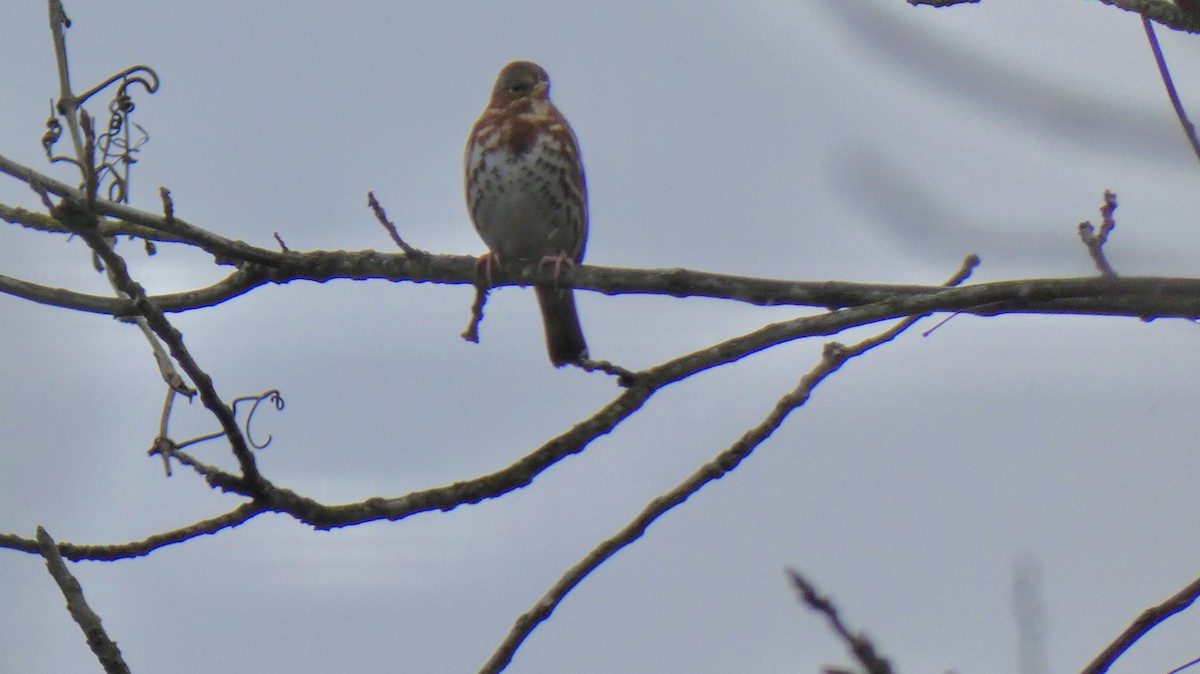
(518, 88)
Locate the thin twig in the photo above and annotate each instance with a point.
(1189, 129)
(381, 216)
(471, 334)
(624, 377)
(1094, 241)
(860, 646)
(105, 648)
(172, 450)
(168, 204)
(1184, 666)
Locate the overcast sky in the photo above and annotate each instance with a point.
(861, 140)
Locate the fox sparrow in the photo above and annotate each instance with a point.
(526, 194)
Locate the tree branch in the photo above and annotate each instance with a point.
(1189, 129)
(44, 223)
(1148, 620)
(860, 646)
(112, 552)
(1158, 297)
(105, 648)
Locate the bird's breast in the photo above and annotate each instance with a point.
(521, 193)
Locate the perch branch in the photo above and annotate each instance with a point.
(1128, 296)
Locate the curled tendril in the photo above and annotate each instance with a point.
(128, 76)
(275, 399)
(272, 395)
(118, 145)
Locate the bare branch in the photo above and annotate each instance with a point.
(108, 553)
(860, 646)
(1185, 666)
(1188, 128)
(1094, 241)
(234, 285)
(105, 648)
(624, 377)
(471, 333)
(1148, 620)
(168, 204)
(382, 217)
(44, 223)
(1130, 296)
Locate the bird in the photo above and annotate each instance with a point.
(527, 196)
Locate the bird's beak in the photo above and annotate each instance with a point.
(539, 90)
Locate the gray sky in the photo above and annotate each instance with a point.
(865, 141)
